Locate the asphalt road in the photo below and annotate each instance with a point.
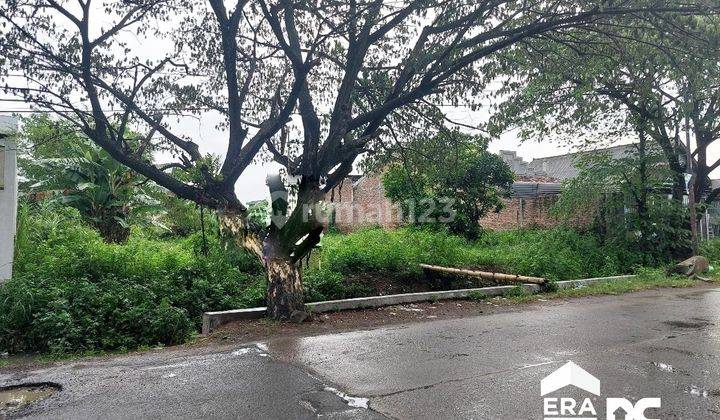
(663, 343)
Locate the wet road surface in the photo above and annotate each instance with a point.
(663, 343)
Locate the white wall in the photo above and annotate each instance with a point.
(8, 198)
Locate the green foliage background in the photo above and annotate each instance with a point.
(73, 292)
(448, 180)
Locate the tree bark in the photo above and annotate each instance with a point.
(284, 280)
(691, 189)
(113, 232)
(232, 225)
(284, 292)
(110, 228)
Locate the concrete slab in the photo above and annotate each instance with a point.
(212, 320)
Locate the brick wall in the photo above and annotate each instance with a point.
(363, 203)
(532, 213)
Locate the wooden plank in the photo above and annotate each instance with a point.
(485, 274)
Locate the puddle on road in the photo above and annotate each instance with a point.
(260, 349)
(663, 366)
(693, 295)
(357, 402)
(18, 396)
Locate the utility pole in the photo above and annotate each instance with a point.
(691, 183)
(8, 195)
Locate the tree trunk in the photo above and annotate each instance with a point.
(284, 282)
(284, 293)
(691, 189)
(232, 225)
(642, 195)
(112, 231)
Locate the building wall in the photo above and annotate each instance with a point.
(8, 207)
(522, 212)
(363, 204)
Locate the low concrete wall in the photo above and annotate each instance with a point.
(212, 320)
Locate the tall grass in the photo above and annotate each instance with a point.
(556, 254)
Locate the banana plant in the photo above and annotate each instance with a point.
(103, 191)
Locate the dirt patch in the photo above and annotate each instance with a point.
(261, 329)
(382, 283)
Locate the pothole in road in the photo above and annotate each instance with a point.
(18, 396)
(697, 324)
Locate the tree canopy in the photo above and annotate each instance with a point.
(638, 76)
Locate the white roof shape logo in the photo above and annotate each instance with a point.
(570, 374)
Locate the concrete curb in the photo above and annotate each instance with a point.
(212, 320)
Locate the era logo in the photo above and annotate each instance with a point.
(568, 407)
(562, 408)
(632, 412)
(569, 374)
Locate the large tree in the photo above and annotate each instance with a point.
(658, 76)
(312, 84)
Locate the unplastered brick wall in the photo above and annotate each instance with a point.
(525, 212)
(361, 203)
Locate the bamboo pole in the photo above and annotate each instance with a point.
(485, 274)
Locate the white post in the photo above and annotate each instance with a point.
(8, 195)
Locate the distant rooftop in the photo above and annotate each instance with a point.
(557, 168)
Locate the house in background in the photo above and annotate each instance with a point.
(8, 195)
(360, 201)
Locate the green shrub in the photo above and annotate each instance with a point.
(398, 250)
(711, 250)
(556, 254)
(73, 292)
(477, 295)
(346, 263)
(516, 291)
(324, 285)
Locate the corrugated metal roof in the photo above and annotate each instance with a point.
(559, 167)
(563, 166)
